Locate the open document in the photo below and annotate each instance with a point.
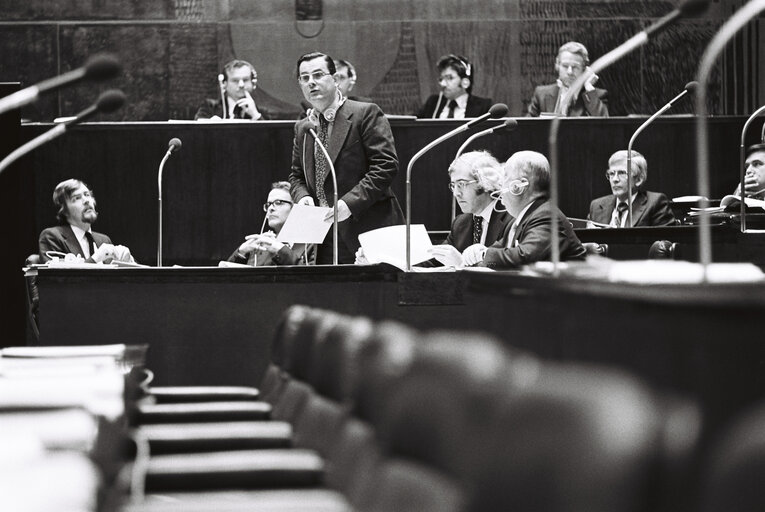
(306, 225)
(728, 201)
(388, 245)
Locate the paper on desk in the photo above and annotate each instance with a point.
(388, 245)
(305, 225)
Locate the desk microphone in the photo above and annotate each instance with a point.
(108, 101)
(98, 67)
(689, 88)
(509, 125)
(172, 146)
(334, 192)
(687, 8)
(497, 110)
(743, 16)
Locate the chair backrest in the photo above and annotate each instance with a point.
(33, 299)
(662, 250)
(577, 438)
(735, 470)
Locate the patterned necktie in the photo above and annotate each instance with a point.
(321, 161)
(477, 228)
(91, 243)
(452, 106)
(621, 208)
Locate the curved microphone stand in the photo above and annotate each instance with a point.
(334, 193)
(715, 47)
(742, 162)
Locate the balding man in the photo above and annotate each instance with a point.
(529, 238)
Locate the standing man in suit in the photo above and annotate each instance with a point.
(473, 177)
(455, 101)
(360, 143)
(558, 99)
(76, 212)
(529, 237)
(237, 84)
(648, 208)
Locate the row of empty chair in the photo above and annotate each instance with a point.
(353, 414)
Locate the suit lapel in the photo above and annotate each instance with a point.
(71, 241)
(495, 226)
(309, 168)
(605, 210)
(339, 132)
(639, 207)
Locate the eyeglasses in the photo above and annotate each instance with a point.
(447, 78)
(621, 174)
(275, 202)
(304, 78)
(460, 184)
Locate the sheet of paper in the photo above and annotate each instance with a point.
(388, 245)
(305, 225)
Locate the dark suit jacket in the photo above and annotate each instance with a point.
(298, 254)
(212, 107)
(476, 106)
(533, 237)
(648, 209)
(62, 239)
(589, 103)
(461, 234)
(364, 154)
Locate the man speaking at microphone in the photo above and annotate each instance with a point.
(359, 140)
(76, 212)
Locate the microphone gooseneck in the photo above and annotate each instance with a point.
(173, 145)
(496, 110)
(689, 7)
(108, 101)
(742, 162)
(509, 125)
(729, 29)
(334, 193)
(689, 87)
(98, 67)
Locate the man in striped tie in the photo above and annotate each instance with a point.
(473, 177)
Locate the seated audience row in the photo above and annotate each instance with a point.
(455, 100)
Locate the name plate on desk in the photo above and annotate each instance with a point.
(430, 289)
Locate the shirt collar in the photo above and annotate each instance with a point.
(485, 214)
(462, 101)
(79, 233)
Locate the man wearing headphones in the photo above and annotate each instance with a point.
(558, 99)
(473, 177)
(237, 83)
(455, 101)
(360, 143)
(529, 238)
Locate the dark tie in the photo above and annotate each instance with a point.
(91, 243)
(477, 228)
(452, 106)
(321, 162)
(621, 208)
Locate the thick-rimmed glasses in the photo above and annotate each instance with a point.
(621, 174)
(304, 78)
(275, 202)
(460, 185)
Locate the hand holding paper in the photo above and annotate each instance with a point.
(343, 212)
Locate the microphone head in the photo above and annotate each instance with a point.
(498, 110)
(510, 124)
(691, 86)
(110, 100)
(174, 144)
(102, 67)
(693, 7)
